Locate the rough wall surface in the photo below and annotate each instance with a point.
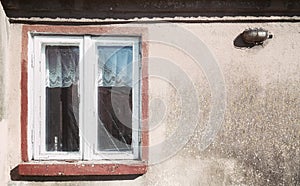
(258, 143)
(3, 114)
(259, 139)
(3, 47)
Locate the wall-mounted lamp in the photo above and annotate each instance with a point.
(256, 36)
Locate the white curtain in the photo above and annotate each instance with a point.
(61, 66)
(115, 66)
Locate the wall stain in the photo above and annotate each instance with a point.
(261, 131)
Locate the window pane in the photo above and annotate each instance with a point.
(114, 98)
(62, 98)
(115, 66)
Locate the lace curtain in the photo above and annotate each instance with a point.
(62, 99)
(61, 66)
(115, 66)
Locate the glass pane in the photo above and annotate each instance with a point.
(115, 66)
(114, 98)
(62, 98)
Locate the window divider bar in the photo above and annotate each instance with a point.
(81, 102)
(89, 116)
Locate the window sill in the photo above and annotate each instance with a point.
(50, 168)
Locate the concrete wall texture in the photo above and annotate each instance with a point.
(3, 78)
(255, 136)
(3, 46)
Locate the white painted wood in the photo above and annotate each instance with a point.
(30, 132)
(38, 96)
(88, 115)
(136, 107)
(89, 98)
(134, 43)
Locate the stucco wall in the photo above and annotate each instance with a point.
(3, 47)
(258, 140)
(3, 77)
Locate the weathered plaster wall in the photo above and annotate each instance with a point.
(3, 55)
(259, 139)
(4, 33)
(258, 143)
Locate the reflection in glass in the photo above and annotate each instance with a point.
(114, 98)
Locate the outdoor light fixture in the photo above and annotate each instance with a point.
(256, 36)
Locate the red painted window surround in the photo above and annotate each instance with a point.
(80, 168)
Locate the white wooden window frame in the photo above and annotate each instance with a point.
(88, 117)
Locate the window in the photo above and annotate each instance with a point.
(84, 102)
(84, 99)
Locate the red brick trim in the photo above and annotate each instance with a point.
(24, 95)
(81, 169)
(74, 169)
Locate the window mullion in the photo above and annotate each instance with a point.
(89, 97)
(81, 102)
